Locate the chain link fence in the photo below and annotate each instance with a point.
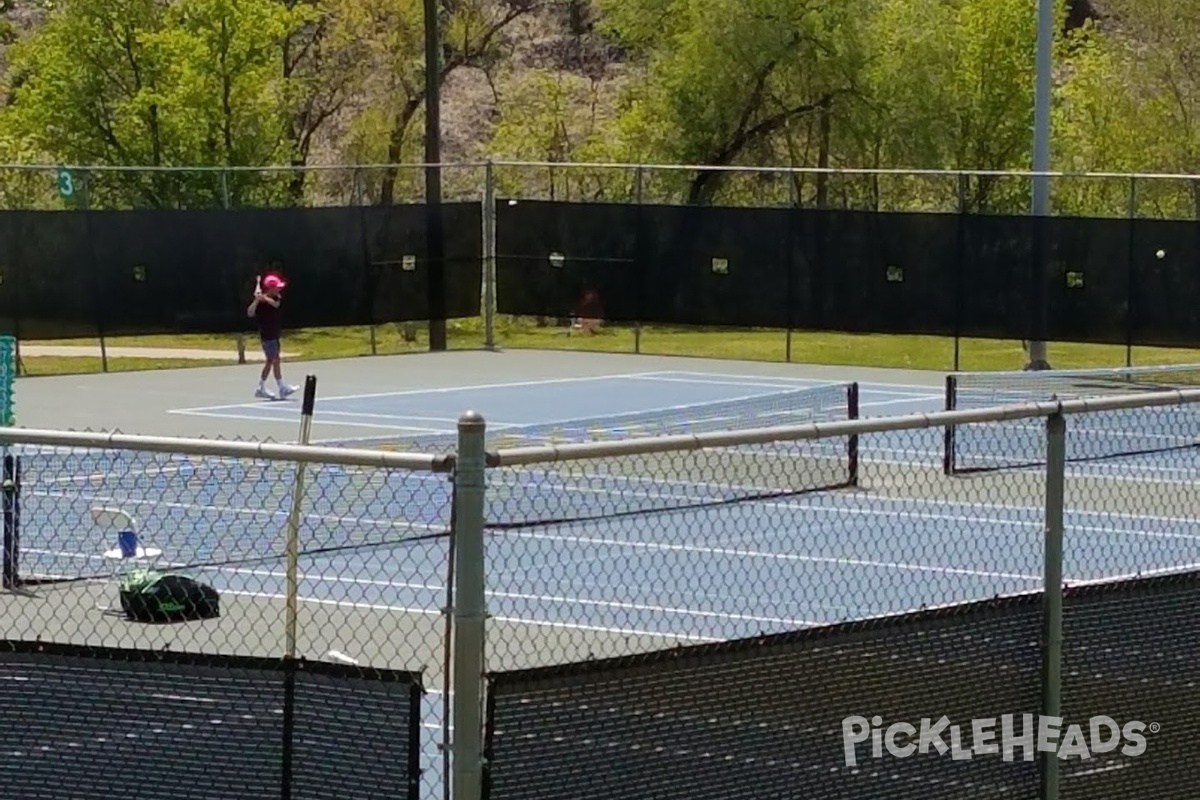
(715, 615)
(1106, 196)
(684, 604)
(312, 588)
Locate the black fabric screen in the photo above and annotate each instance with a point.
(10, 299)
(764, 717)
(91, 722)
(1000, 276)
(600, 274)
(883, 273)
(397, 254)
(717, 266)
(1087, 280)
(163, 271)
(1130, 653)
(1165, 292)
(56, 275)
(318, 251)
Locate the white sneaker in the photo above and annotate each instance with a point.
(263, 393)
(285, 390)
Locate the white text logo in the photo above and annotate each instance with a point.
(994, 737)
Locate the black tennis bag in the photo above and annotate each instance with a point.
(149, 596)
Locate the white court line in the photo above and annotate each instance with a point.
(1127, 473)
(320, 412)
(863, 385)
(431, 390)
(569, 422)
(292, 421)
(793, 505)
(796, 386)
(426, 528)
(541, 598)
(786, 557)
(625, 479)
(904, 401)
(434, 613)
(848, 510)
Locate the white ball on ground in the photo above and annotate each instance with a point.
(1161, 253)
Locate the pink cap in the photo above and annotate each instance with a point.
(274, 282)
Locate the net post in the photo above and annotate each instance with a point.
(948, 431)
(1052, 592)
(293, 526)
(469, 608)
(852, 442)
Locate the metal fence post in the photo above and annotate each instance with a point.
(489, 256)
(1052, 600)
(1131, 210)
(639, 197)
(469, 608)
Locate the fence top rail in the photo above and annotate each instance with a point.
(542, 454)
(566, 165)
(268, 451)
(896, 171)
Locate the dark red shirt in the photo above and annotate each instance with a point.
(270, 321)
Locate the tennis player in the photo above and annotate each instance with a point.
(264, 309)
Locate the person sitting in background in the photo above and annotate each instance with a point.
(589, 314)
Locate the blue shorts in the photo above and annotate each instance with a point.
(271, 349)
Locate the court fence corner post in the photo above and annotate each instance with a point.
(1052, 592)
(469, 609)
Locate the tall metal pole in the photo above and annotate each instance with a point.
(470, 608)
(435, 235)
(1041, 147)
(1052, 636)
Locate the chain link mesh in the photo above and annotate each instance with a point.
(100, 547)
(750, 645)
(715, 613)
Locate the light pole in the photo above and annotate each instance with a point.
(1041, 152)
(435, 235)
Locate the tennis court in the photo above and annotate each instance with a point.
(646, 550)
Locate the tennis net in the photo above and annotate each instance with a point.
(202, 512)
(680, 479)
(1103, 435)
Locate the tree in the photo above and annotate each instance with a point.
(726, 79)
(138, 82)
(952, 87)
(1135, 103)
(393, 31)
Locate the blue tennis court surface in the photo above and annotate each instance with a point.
(812, 558)
(703, 571)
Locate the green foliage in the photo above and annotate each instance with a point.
(874, 84)
(123, 82)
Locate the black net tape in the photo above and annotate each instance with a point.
(95, 722)
(767, 717)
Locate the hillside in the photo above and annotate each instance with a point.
(864, 84)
